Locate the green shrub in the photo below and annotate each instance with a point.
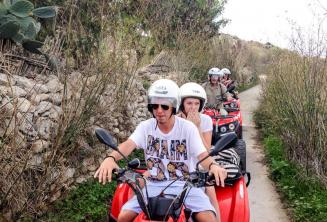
(88, 202)
(305, 195)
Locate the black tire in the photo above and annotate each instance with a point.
(240, 132)
(240, 148)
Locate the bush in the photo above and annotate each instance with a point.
(305, 195)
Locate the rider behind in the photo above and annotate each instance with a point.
(227, 81)
(184, 144)
(216, 91)
(193, 100)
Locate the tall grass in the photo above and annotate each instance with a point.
(295, 104)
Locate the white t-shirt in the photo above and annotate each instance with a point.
(170, 155)
(206, 123)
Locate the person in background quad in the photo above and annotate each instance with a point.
(228, 82)
(216, 91)
(226, 79)
(184, 144)
(193, 99)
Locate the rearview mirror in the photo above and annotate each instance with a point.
(105, 138)
(223, 142)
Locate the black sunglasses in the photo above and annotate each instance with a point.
(156, 106)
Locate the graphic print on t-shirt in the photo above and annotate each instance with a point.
(164, 154)
(177, 169)
(164, 150)
(149, 147)
(156, 169)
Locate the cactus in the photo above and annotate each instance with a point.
(9, 29)
(21, 8)
(17, 23)
(3, 9)
(33, 46)
(45, 12)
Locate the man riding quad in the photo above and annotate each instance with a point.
(216, 91)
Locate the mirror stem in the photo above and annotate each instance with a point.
(197, 165)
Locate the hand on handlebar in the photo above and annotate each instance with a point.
(220, 174)
(104, 172)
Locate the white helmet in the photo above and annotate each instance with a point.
(193, 90)
(164, 91)
(225, 71)
(213, 71)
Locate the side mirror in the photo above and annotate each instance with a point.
(231, 88)
(105, 138)
(223, 142)
(134, 163)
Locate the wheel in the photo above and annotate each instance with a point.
(240, 133)
(240, 147)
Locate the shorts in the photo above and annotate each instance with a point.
(196, 199)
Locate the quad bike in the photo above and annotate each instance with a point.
(224, 124)
(232, 199)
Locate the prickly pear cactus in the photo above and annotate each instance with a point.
(18, 22)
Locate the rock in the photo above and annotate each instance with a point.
(24, 105)
(43, 107)
(6, 105)
(16, 91)
(24, 82)
(55, 98)
(37, 98)
(45, 127)
(92, 168)
(27, 128)
(55, 196)
(88, 162)
(54, 114)
(69, 173)
(6, 80)
(39, 146)
(35, 161)
(4, 90)
(115, 131)
(81, 180)
(39, 88)
(54, 85)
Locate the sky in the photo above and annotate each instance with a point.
(274, 20)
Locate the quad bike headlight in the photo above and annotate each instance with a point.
(223, 129)
(231, 126)
(233, 105)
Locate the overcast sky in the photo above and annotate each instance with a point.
(271, 20)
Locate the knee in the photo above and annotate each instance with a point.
(126, 216)
(205, 216)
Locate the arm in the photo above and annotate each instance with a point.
(206, 138)
(219, 172)
(105, 170)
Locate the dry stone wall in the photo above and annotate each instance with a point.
(31, 109)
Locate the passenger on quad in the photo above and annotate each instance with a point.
(216, 91)
(193, 100)
(227, 77)
(229, 83)
(184, 144)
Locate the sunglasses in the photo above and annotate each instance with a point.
(156, 106)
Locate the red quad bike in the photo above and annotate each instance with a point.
(233, 109)
(232, 199)
(224, 124)
(233, 106)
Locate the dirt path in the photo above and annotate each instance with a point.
(265, 205)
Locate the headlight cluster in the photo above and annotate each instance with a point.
(228, 127)
(231, 105)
